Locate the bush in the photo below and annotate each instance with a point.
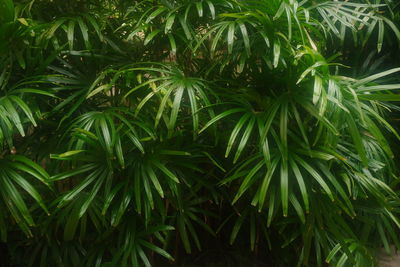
(204, 132)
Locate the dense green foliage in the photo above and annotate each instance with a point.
(142, 132)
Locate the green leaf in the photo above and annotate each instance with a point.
(155, 181)
(110, 196)
(7, 12)
(271, 207)
(194, 109)
(220, 116)
(66, 154)
(162, 105)
(280, 11)
(175, 108)
(183, 234)
(297, 207)
(284, 187)
(221, 28)
(199, 8)
(338, 187)
(24, 184)
(239, 125)
(24, 107)
(185, 27)
(155, 13)
(174, 152)
(248, 180)
(147, 191)
(101, 124)
(104, 87)
(13, 114)
(283, 130)
(95, 26)
(150, 36)
(245, 138)
(76, 171)
(136, 142)
(315, 175)
(169, 23)
(277, 52)
(71, 224)
(383, 238)
(119, 152)
(376, 88)
(37, 168)
(376, 76)
(172, 43)
(20, 59)
(212, 9)
(321, 119)
(355, 134)
(266, 182)
(167, 172)
(92, 194)
(380, 35)
(230, 37)
(317, 89)
(270, 118)
(328, 21)
(245, 36)
(85, 33)
(236, 228)
(310, 69)
(156, 249)
(15, 197)
(300, 181)
(78, 189)
(394, 28)
(34, 91)
(333, 252)
(70, 34)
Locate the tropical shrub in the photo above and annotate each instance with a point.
(143, 132)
